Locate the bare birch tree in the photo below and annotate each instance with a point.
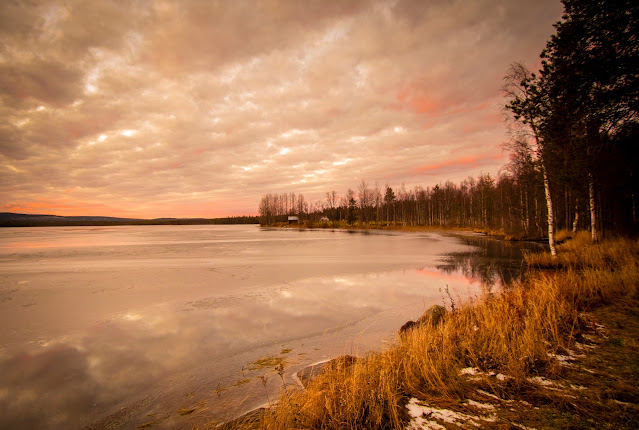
(524, 101)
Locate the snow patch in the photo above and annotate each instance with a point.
(521, 426)
(501, 377)
(574, 356)
(423, 416)
(487, 394)
(566, 360)
(584, 346)
(540, 380)
(473, 371)
(479, 405)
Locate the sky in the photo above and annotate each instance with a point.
(198, 108)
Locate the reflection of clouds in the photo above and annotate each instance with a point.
(446, 275)
(132, 317)
(492, 262)
(55, 385)
(287, 294)
(342, 281)
(117, 359)
(363, 295)
(39, 385)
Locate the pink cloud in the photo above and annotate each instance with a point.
(464, 161)
(471, 161)
(416, 100)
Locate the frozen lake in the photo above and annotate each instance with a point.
(115, 327)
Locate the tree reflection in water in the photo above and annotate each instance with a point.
(493, 262)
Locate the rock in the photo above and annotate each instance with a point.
(337, 364)
(410, 324)
(308, 373)
(340, 364)
(433, 316)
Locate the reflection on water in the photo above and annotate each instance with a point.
(113, 336)
(493, 262)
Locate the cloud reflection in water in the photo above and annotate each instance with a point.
(75, 380)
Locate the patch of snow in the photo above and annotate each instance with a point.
(487, 394)
(584, 346)
(574, 356)
(540, 380)
(420, 415)
(491, 418)
(502, 377)
(563, 359)
(566, 360)
(521, 402)
(469, 371)
(521, 426)
(470, 402)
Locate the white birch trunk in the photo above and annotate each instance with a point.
(593, 212)
(551, 215)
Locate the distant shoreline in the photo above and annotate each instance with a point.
(341, 225)
(8, 219)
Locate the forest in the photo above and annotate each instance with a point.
(573, 132)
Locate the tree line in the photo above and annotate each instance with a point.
(513, 202)
(574, 132)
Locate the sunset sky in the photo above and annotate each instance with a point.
(198, 108)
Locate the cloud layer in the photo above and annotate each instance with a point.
(195, 108)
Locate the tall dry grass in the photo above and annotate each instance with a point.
(511, 333)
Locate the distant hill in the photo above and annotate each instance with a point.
(9, 219)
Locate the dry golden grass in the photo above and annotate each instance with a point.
(515, 333)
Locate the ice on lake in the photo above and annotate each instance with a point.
(119, 326)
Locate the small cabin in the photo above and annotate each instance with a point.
(292, 219)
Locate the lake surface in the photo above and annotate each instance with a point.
(116, 327)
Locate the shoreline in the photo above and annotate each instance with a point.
(342, 226)
(571, 331)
